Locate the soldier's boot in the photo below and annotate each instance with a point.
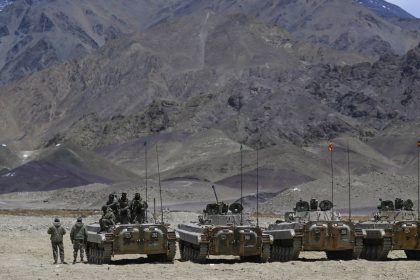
(74, 257)
(55, 261)
(82, 255)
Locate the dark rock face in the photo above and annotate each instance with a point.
(45, 24)
(252, 81)
(4, 31)
(61, 24)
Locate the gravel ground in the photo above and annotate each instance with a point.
(25, 253)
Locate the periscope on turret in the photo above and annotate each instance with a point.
(314, 227)
(223, 230)
(393, 227)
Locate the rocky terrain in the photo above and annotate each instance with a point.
(198, 80)
(34, 252)
(38, 34)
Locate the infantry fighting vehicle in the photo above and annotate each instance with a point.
(156, 241)
(392, 227)
(223, 230)
(308, 228)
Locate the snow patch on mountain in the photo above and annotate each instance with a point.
(385, 9)
(4, 3)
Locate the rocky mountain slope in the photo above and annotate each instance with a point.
(62, 167)
(203, 79)
(386, 9)
(38, 34)
(342, 25)
(158, 80)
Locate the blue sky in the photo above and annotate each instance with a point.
(411, 6)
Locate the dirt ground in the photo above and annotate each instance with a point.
(25, 253)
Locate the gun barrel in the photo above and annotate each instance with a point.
(215, 194)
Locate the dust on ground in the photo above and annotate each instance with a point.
(25, 253)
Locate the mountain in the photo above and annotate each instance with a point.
(133, 87)
(4, 3)
(200, 80)
(338, 24)
(37, 34)
(161, 79)
(385, 9)
(62, 167)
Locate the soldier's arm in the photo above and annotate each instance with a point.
(64, 230)
(72, 234)
(49, 230)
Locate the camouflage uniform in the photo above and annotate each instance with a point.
(114, 205)
(124, 205)
(78, 237)
(57, 231)
(138, 209)
(108, 219)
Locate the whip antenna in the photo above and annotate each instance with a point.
(145, 164)
(418, 180)
(154, 209)
(258, 186)
(241, 187)
(160, 186)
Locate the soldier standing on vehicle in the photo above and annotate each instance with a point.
(138, 209)
(78, 237)
(57, 231)
(108, 219)
(114, 205)
(124, 209)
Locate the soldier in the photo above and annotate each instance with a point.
(114, 205)
(124, 205)
(78, 237)
(138, 209)
(57, 231)
(108, 219)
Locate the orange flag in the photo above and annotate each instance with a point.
(330, 147)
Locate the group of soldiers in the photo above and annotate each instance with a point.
(78, 237)
(117, 210)
(122, 210)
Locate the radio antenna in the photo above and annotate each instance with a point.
(160, 186)
(145, 164)
(258, 186)
(418, 180)
(241, 187)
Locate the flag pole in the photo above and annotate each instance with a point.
(348, 169)
(330, 148)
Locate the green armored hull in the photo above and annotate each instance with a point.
(154, 240)
(223, 234)
(311, 229)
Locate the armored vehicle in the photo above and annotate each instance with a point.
(313, 228)
(392, 227)
(223, 230)
(157, 241)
